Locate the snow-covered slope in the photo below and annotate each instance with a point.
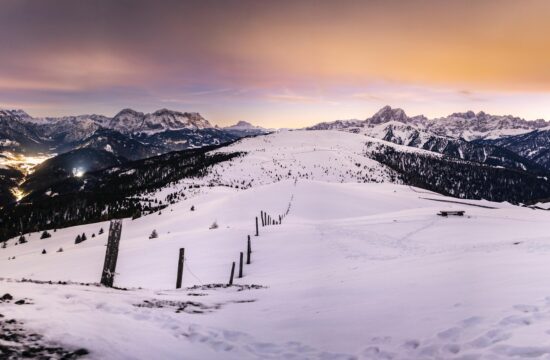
(333, 156)
(355, 271)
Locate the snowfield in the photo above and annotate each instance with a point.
(355, 271)
(333, 156)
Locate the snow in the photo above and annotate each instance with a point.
(356, 271)
(326, 155)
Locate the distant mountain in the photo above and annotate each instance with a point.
(131, 121)
(338, 125)
(129, 134)
(495, 140)
(244, 128)
(68, 128)
(18, 134)
(117, 144)
(534, 145)
(387, 114)
(472, 126)
(409, 135)
(467, 125)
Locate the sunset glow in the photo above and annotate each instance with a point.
(276, 63)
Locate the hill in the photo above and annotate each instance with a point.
(374, 261)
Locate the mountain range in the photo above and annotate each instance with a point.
(505, 150)
(499, 140)
(130, 134)
(467, 125)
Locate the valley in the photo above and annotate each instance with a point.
(24, 164)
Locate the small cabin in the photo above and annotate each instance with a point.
(451, 213)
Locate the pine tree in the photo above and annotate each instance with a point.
(22, 239)
(100, 231)
(43, 251)
(78, 239)
(192, 207)
(154, 235)
(83, 237)
(45, 235)
(60, 249)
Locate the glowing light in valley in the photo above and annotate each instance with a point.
(25, 164)
(78, 172)
(18, 193)
(22, 162)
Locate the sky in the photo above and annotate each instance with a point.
(276, 63)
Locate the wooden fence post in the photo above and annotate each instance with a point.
(241, 265)
(111, 254)
(180, 268)
(248, 251)
(232, 273)
(262, 216)
(257, 233)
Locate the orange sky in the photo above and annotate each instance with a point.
(276, 63)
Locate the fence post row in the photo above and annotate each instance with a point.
(248, 251)
(232, 274)
(111, 254)
(180, 268)
(241, 265)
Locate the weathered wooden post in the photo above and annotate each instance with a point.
(241, 265)
(232, 273)
(280, 218)
(262, 216)
(111, 254)
(257, 233)
(180, 268)
(248, 251)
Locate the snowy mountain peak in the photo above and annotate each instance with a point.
(387, 113)
(466, 125)
(128, 112)
(15, 112)
(242, 125)
(130, 121)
